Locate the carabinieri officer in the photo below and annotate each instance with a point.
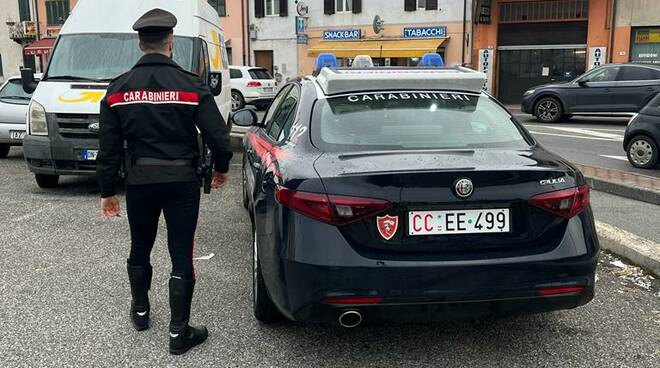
(156, 109)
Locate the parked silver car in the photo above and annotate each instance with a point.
(13, 112)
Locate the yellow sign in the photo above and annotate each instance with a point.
(216, 59)
(89, 96)
(651, 35)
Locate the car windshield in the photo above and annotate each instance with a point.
(103, 57)
(259, 74)
(13, 93)
(413, 120)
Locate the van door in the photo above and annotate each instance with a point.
(217, 57)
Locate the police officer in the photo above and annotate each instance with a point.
(156, 109)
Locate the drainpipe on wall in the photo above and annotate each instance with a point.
(247, 33)
(612, 29)
(463, 38)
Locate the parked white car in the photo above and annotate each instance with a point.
(13, 114)
(251, 85)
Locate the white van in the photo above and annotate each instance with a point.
(96, 44)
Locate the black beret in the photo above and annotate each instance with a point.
(155, 22)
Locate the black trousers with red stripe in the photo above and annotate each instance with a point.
(179, 203)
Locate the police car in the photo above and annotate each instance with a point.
(409, 194)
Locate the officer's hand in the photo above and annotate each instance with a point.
(110, 207)
(219, 180)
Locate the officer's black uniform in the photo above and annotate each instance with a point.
(156, 109)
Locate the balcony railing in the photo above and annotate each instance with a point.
(22, 32)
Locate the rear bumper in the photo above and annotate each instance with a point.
(58, 157)
(310, 275)
(4, 133)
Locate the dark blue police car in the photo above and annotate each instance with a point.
(409, 194)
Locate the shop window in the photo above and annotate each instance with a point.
(220, 6)
(57, 11)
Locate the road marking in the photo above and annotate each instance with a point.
(588, 132)
(32, 214)
(643, 252)
(622, 158)
(576, 136)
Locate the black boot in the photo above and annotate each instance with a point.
(140, 279)
(182, 336)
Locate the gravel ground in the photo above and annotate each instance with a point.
(65, 298)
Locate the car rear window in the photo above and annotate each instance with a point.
(260, 74)
(413, 120)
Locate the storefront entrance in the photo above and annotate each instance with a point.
(523, 67)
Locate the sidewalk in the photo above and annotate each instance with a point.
(634, 186)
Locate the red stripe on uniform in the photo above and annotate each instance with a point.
(153, 97)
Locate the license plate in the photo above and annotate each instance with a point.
(459, 222)
(89, 155)
(268, 89)
(16, 134)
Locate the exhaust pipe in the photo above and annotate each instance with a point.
(350, 319)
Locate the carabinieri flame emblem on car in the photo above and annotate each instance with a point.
(387, 226)
(464, 187)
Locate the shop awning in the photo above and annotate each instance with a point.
(41, 47)
(378, 48)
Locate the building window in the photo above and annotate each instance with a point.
(272, 7)
(57, 11)
(24, 10)
(220, 6)
(2, 73)
(549, 10)
(343, 5)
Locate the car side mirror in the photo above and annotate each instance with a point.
(244, 118)
(27, 79)
(582, 82)
(215, 83)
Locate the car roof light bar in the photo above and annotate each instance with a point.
(346, 80)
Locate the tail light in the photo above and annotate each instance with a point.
(331, 209)
(565, 203)
(254, 84)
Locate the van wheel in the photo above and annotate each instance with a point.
(548, 110)
(47, 181)
(237, 101)
(4, 150)
(642, 152)
(264, 309)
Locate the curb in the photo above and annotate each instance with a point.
(639, 194)
(640, 251)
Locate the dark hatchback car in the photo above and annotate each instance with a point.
(405, 195)
(643, 136)
(609, 90)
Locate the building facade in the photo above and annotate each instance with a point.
(234, 21)
(637, 32)
(19, 31)
(394, 33)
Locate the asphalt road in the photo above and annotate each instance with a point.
(65, 300)
(585, 140)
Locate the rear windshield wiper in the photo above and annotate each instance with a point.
(17, 97)
(75, 78)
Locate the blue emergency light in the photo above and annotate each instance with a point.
(326, 60)
(432, 59)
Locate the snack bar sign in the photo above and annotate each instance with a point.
(342, 34)
(425, 32)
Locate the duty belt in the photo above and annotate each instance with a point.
(148, 161)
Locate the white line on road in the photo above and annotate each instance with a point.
(641, 251)
(588, 132)
(622, 158)
(577, 136)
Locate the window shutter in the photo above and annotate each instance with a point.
(357, 6)
(410, 5)
(259, 8)
(284, 8)
(431, 4)
(329, 7)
